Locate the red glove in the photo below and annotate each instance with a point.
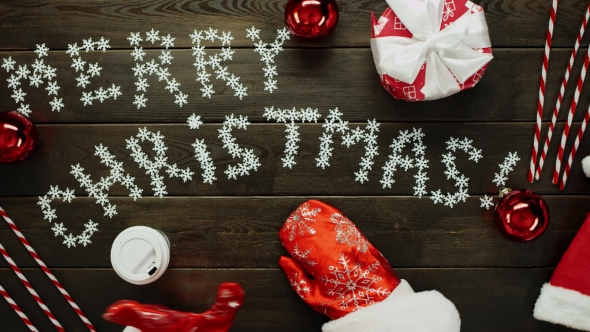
(339, 273)
(154, 318)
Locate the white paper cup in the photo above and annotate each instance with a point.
(140, 254)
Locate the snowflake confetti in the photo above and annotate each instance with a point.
(486, 202)
(395, 160)
(289, 117)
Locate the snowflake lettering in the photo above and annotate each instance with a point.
(289, 117)
(461, 182)
(250, 160)
(268, 52)
(395, 159)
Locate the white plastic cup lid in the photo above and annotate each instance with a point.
(140, 254)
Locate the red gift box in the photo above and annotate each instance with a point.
(458, 50)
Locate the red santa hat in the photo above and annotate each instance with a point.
(565, 299)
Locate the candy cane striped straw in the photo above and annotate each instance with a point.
(46, 270)
(541, 99)
(25, 282)
(566, 172)
(561, 91)
(570, 117)
(17, 309)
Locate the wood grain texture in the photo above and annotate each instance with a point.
(487, 299)
(57, 23)
(64, 145)
(323, 79)
(243, 231)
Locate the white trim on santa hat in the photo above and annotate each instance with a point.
(563, 306)
(402, 311)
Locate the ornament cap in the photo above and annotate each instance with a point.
(504, 191)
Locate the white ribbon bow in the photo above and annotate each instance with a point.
(448, 53)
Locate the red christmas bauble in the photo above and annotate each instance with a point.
(18, 136)
(311, 18)
(521, 215)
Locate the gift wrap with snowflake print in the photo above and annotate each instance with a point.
(207, 121)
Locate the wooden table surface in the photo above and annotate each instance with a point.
(228, 230)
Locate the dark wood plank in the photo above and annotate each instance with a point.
(64, 145)
(57, 23)
(243, 231)
(307, 78)
(487, 299)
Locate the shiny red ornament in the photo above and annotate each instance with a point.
(18, 137)
(311, 18)
(521, 215)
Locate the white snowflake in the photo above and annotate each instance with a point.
(153, 36)
(70, 240)
(87, 98)
(82, 80)
(166, 58)
(354, 285)
(486, 202)
(52, 88)
(41, 50)
(500, 179)
(78, 64)
(84, 239)
(24, 109)
(194, 121)
(94, 69)
(56, 104)
(181, 99)
(110, 210)
(140, 101)
(168, 41)
(8, 64)
(134, 39)
(19, 95)
(58, 229)
(141, 84)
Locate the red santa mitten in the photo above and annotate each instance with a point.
(565, 299)
(338, 272)
(154, 318)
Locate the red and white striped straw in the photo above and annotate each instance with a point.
(25, 282)
(570, 117)
(541, 99)
(46, 270)
(17, 309)
(570, 160)
(561, 92)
